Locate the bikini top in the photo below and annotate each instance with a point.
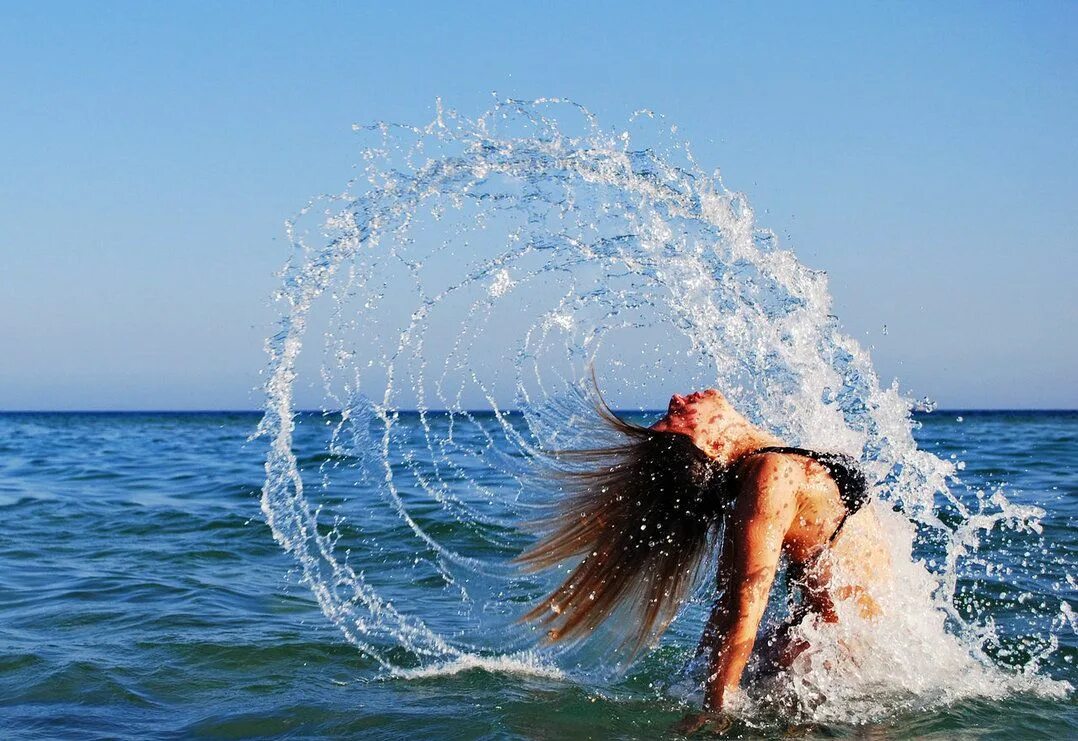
(847, 475)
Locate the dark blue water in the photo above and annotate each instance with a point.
(142, 595)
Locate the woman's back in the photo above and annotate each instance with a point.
(825, 537)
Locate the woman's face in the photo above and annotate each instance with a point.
(700, 415)
(692, 413)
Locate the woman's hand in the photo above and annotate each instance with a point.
(710, 721)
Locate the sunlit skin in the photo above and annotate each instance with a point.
(785, 505)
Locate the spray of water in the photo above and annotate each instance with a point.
(473, 271)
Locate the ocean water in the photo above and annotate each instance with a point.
(142, 595)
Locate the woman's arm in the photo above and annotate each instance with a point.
(716, 622)
(764, 511)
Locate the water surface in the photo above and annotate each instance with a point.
(142, 595)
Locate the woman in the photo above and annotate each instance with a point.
(641, 514)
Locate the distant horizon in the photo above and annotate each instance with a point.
(948, 410)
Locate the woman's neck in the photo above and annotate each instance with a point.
(735, 441)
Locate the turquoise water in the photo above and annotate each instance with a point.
(142, 595)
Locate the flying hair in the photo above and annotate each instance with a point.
(639, 515)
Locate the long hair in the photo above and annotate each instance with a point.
(640, 515)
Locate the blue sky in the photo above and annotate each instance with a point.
(924, 154)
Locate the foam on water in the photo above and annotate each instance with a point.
(525, 662)
(474, 271)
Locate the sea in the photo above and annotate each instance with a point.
(143, 595)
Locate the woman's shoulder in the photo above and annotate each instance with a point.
(767, 463)
(770, 474)
(795, 463)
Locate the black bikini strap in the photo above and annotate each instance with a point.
(814, 454)
(838, 527)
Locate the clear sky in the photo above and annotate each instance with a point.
(924, 154)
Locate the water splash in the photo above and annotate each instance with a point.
(473, 272)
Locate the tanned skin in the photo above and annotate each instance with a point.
(786, 505)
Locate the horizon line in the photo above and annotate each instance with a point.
(947, 410)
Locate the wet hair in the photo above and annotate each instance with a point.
(640, 514)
